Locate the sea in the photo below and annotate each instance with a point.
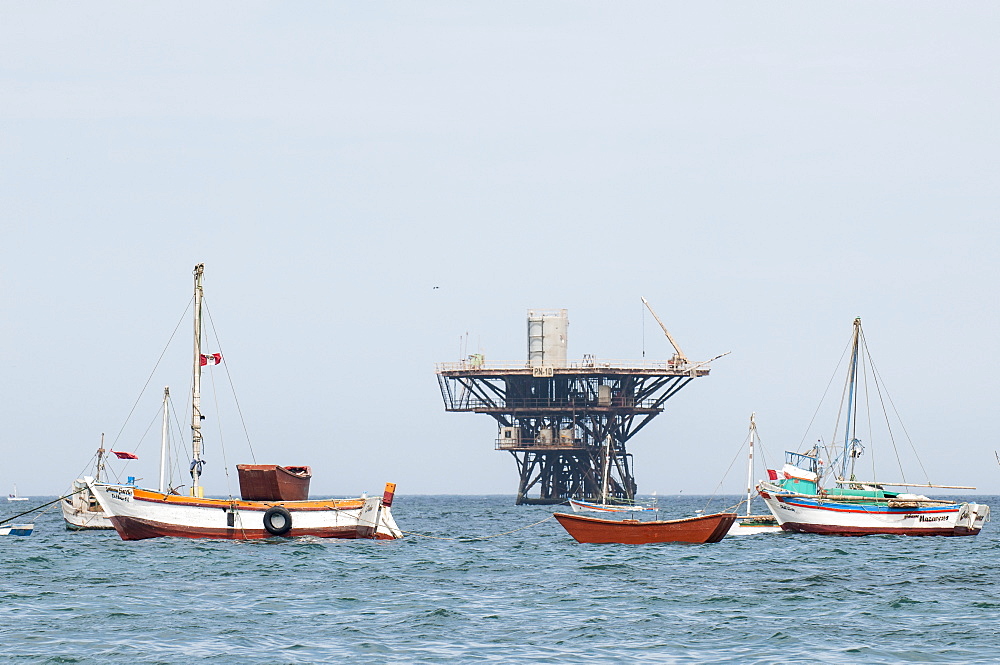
(480, 580)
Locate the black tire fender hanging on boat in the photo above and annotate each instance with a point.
(277, 521)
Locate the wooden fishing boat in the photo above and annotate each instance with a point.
(137, 514)
(852, 507)
(80, 508)
(281, 506)
(580, 506)
(602, 506)
(701, 529)
(750, 524)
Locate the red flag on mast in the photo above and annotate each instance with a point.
(211, 359)
(122, 455)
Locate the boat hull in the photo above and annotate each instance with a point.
(16, 529)
(703, 529)
(842, 518)
(137, 514)
(754, 524)
(586, 506)
(81, 510)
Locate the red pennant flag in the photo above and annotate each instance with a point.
(772, 474)
(211, 359)
(122, 455)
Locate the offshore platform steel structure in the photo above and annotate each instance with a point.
(566, 423)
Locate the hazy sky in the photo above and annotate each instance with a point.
(761, 172)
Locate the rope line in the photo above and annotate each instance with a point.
(225, 366)
(146, 385)
(44, 505)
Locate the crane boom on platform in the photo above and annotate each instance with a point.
(678, 354)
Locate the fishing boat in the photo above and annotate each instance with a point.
(14, 497)
(852, 507)
(16, 529)
(80, 508)
(138, 513)
(579, 505)
(750, 524)
(701, 529)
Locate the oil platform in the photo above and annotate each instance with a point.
(567, 423)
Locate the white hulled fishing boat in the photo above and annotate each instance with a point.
(142, 513)
(602, 506)
(853, 507)
(750, 524)
(80, 508)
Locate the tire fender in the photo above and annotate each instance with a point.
(277, 521)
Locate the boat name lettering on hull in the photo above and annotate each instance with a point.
(121, 493)
(788, 508)
(937, 518)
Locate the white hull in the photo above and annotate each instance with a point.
(587, 506)
(138, 514)
(16, 529)
(851, 518)
(750, 527)
(81, 511)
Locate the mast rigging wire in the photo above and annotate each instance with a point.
(158, 360)
(230, 378)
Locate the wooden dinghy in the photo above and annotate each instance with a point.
(270, 482)
(702, 529)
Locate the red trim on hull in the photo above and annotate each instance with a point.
(134, 528)
(830, 530)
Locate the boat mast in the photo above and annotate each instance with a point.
(163, 441)
(852, 387)
(753, 432)
(196, 417)
(100, 459)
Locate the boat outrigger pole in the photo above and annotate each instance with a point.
(196, 417)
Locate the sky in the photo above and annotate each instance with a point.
(368, 184)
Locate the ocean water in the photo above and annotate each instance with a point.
(534, 595)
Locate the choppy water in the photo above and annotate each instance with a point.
(532, 596)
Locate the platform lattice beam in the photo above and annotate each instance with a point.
(567, 427)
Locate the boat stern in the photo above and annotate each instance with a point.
(375, 520)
